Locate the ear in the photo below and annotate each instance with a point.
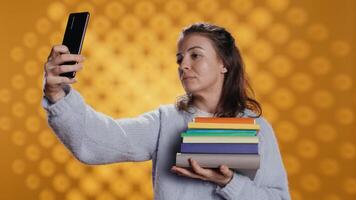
(223, 70)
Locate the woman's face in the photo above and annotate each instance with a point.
(201, 71)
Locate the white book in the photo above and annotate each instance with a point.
(233, 161)
(225, 139)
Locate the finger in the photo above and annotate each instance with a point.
(187, 173)
(56, 80)
(49, 67)
(58, 60)
(67, 68)
(199, 170)
(225, 171)
(57, 50)
(60, 49)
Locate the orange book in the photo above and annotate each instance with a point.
(224, 120)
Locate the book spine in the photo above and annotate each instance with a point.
(219, 148)
(192, 125)
(220, 131)
(224, 120)
(218, 134)
(233, 161)
(236, 139)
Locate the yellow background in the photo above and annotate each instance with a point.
(300, 57)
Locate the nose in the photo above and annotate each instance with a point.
(185, 65)
(183, 68)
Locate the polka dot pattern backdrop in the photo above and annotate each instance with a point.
(301, 73)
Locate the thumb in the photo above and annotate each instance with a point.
(225, 171)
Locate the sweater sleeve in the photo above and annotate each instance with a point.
(95, 138)
(270, 182)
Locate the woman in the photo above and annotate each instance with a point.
(212, 74)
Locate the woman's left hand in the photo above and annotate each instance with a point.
(221, 176)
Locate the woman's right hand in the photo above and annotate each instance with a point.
(54, 83)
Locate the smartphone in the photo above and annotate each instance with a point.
(74, 36)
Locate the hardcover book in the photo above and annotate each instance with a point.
(233, 161)
(219, 148)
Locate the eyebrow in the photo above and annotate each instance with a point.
(194, 47)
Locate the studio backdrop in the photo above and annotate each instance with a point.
(299, 56)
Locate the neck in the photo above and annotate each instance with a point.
(207, 103)
(207, 99)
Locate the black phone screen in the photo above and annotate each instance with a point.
(74, 36)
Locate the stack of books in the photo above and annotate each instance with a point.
(220, 141)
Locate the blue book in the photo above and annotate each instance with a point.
(216, 148)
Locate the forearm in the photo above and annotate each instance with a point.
(93, 138)
(242, 188)
(270, 182)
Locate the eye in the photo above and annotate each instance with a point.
(179, 59)
(194, 55)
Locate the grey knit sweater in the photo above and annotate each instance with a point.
(95, 138)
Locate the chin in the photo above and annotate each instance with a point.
(191, 90)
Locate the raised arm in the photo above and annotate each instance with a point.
(93, 137)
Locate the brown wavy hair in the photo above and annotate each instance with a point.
(237, 94)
